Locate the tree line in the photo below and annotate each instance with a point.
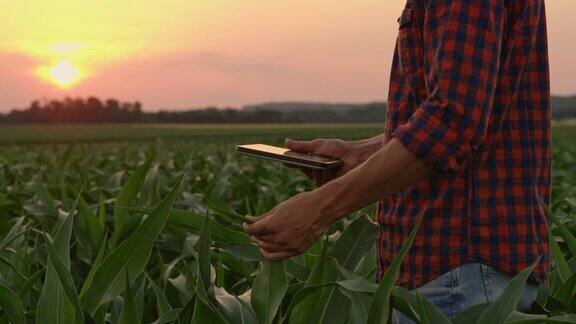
(94, 110)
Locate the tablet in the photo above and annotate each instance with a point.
(286, 156)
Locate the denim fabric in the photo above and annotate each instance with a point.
(466, 286)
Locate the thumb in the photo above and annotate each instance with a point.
(301, 146)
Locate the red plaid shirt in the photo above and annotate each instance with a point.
(469, 93)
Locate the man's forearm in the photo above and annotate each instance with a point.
(390, 170)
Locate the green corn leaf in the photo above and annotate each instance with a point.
(204, 310)
(429, 313)
(187, 312)
(224, 209)
(54, 305)
(92, 225)
(380, 307)
(499, 310)
(124, 222)
(29, 284)
(129, 314)
(17, 230)
(268, 291)
(356, 241)
(328, 304)
(220, 282)
(561, 264)
(404, 302)
(566, 235)
(566, 291)
(563, 319)
(169, 317)
(556, 306)
(564, 232)
(95, 264)
(192, 221)
(297, 311)
(359, 306)
(65, 278)
(204, 313)
(162, 304)
(11, 304)
(102, 211)
(521, 318)
(131, 255)
(204, 254)
(471, 315)
(235, 310)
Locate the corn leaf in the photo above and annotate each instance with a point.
(328, 304)
(131, 255)
(498, 311)
(380, 307)
(429, 313)
(123, 220)
(235, 310)
(66, 280)
(12, 305)
(561, 264)
(95, 264)
(566, 291)
(54, 305)
(29, 284)
(162, 304)
(268, 290)
(563, 319)
(566, 235)
(129, 314)
(204, 313)
(521, 318)
(192, 221)
(204, 254)
(356, 240)
(92, 225)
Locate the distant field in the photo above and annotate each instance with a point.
(213, 132)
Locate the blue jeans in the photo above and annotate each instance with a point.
(467, 286)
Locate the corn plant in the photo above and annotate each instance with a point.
(130, 233)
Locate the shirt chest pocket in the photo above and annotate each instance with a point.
(410, 51)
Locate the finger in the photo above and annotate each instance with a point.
(308, 172)
(270, 238)
(302, 146)
(259, 227)
(321, 177)
(276, 256)
(252, 219)
(270, 247)
(290, 165)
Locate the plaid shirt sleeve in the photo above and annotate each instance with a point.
(452, 120)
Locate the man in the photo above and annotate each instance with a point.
(467, 144)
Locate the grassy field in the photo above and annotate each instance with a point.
(210, 132)
(142, 223)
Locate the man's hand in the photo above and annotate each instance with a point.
(347, 152)
(294, 225)
(291, 227)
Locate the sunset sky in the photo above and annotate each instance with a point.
(178, 54)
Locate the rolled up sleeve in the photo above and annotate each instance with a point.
(453, 119)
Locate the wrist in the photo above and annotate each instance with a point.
(362, 150)
(333, 201)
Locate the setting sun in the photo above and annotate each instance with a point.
(63, 73)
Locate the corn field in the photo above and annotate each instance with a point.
(152, 233)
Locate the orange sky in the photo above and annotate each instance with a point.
(183, 54)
